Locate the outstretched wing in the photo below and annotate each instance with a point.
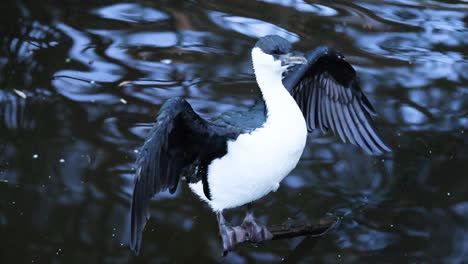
(327, 91)
(177, 142)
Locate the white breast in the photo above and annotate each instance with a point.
(257, 162)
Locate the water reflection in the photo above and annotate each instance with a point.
(78, 82)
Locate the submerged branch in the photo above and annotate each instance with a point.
(288, 230)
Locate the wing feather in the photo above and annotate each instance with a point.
(326, 99)
(336, 120)
(311, 123)
(328, 93)
(177, 141)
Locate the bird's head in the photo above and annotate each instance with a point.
(274, 54)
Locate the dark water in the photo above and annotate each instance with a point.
(92, 73)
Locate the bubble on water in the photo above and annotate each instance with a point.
(166, 61)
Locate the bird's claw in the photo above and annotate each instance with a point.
(231, 236)
(256, 233)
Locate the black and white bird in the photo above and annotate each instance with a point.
(239, 157)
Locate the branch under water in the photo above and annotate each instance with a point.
(288, 230)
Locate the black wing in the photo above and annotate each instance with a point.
(327, 91)
(179, 140)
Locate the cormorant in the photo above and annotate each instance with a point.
(239, 157)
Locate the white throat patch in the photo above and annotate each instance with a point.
(266, 62)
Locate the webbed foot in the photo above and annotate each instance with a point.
(230, 235)
(256, 233)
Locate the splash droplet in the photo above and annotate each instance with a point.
(20, 93)
(166, 61)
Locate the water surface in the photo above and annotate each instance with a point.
(78, 81)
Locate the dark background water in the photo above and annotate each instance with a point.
(78, 79)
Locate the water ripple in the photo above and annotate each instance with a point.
(80, 87)
(135, 13)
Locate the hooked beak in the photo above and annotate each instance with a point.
(292, 59)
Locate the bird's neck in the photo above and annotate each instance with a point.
(273, 92)
(284, 117)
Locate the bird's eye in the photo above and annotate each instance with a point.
(277, 52)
